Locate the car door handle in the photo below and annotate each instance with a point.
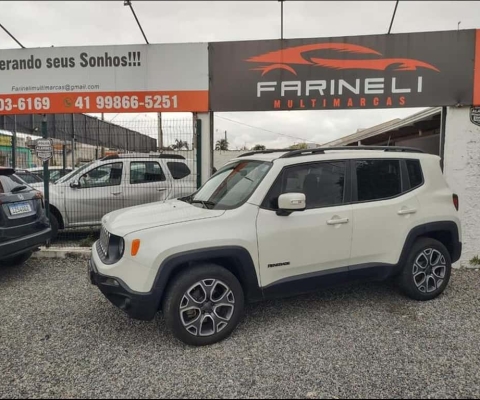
(161, 190)
(117, 193)
(407, 211)
(339, 221)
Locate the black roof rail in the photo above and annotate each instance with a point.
(269, 151)
(321, 150)
(161, 156)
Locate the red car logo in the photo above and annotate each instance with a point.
(285, 58)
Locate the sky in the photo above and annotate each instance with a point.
(82, 23)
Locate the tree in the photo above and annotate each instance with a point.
(179, 145)
(259, 147)
(222, 144)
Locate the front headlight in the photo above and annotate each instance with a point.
(121, 248)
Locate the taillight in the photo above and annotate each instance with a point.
(456, 202)
(39, 196)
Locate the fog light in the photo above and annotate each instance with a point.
(111, 282)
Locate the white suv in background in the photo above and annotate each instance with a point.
(83, 197)
(274, 223)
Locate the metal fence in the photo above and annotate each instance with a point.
(100, 167)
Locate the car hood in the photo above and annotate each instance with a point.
(152, 215)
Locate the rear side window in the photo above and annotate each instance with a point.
(378, 179)
(178, 170)
(146, 172)
(415, 173)
(9, 182)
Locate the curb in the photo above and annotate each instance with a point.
(62, 252)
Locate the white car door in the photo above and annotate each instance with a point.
(101, 191)
(309, 243)
(384, 212)
(147, 182)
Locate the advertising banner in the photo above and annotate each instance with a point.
(362, 72)
(105, 79)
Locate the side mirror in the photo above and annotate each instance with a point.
(290, 202)
(75, 185)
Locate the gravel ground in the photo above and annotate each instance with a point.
(60, 338)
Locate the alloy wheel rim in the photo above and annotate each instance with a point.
(207, 307)
(429, 270)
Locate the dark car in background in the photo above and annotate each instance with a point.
(28, 177)
(24, 226)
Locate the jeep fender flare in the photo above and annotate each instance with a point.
(426, 229)
(234, 258)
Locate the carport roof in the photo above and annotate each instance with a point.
(423, 120)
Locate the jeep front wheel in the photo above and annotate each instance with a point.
(203, 305)
(427, 272)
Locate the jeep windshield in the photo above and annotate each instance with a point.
(231, 186)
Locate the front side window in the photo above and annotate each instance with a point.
(322, 183)
(231, 186)
(146, 172)
(75, 172)
(106, 175)
(378, 179)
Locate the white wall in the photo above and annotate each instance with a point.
(462, 170)
(220, 158)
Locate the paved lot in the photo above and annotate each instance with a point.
(60, 338)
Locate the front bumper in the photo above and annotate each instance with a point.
(140, 306)
(24, 244)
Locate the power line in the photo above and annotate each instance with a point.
(13, 37)
(265, 130)
(129, 4)
(393, 17)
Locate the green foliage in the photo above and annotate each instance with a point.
(259, 147)
(475, 261)
(222, 145)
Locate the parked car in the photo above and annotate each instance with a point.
(271, 224)
(55, 173)
(83, 197)
(23, 224)
(28, 177)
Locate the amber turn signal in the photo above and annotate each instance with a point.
(135, 247)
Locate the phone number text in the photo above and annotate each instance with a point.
(28, 104)
(155, 102)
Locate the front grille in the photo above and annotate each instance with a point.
(104, 241)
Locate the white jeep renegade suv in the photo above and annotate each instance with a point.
(277, 223)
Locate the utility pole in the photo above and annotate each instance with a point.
(281, 18)
(160, 132)
(46, 171)
(73, 141)
(226, 137)
(14, 143)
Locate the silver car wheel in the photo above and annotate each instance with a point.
(429, 270)
(207, 308)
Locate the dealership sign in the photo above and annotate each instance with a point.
(384, 71)
(139, 78)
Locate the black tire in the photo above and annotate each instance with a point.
(176, 296)
(412, 275)
(16, 261)
(54, 225)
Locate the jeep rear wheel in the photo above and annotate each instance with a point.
(427, 272)
(203, 305)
